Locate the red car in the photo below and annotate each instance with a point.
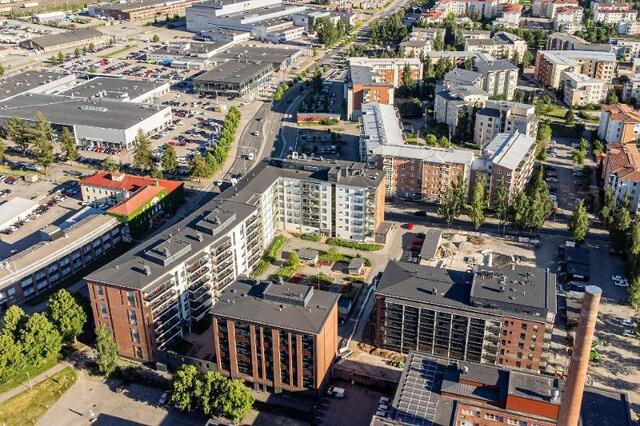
(173, 143)
(410, 226)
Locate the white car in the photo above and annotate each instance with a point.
(336, 392)
(616, 277)
(628, 333)
(621, 283)
(626, 322)
(163, 398)
(384, 400)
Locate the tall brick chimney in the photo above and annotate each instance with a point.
(574, 386)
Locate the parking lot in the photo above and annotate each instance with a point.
(355, 409)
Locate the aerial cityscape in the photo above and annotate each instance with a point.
(320, 212)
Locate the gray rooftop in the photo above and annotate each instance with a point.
(495, 65)
(273, 55)
(283, 305)
(191, 48)
(112, 88)
(419, 398)
(460, 76)
(473, 291)
(234, 71)
(130, 6)
(509, 150)
(73, 36)
(26, 81)
(62, 110)
(211, 223)
(431, 243)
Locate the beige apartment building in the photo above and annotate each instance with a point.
(581, 90)
(552, 64)
(504, 117)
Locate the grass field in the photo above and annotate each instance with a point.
(27, 407)
(32, 372)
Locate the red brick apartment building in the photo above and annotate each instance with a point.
(278, 336)
(482, 316)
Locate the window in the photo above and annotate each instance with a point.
(471, 412)
(103, 311)
(100, 293)
(133, 320)
(135, 336)
(523, 326)
(131, 298)
(523, 336)
(491, 416)
(138, 351)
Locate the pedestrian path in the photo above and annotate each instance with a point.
(34, 381)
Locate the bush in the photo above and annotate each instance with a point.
(262, 267)
(329, 121)
(273, 251)
(354, 244)
(311, 237)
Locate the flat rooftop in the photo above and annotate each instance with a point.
(430, 391)
(288, 306)
(234, 71)
(457, 290)
(73, 36)
(112, 88)
(62, 110)
(510, 149)
(274, 55)
(131, 6)
(27, 81)
(570, 57)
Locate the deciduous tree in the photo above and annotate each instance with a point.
(66, 314)
(142, 156)
(579, 223)
(502, 203)
(235, 400)
(39, 339)
(478, 202)
(13, 321)
(184, 387)
(106, 350)
(42, 136)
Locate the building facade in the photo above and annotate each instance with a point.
(619, 123)
(147, 295)
(504, 117)
(500, 78)
(551, 65)
(581, 90)
(621, 173)
(458, 315)
(501, 46)
(280, 337)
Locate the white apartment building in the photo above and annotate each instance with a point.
(549, 8)
(504, 117)
(631, 89)
(581, 90)
(500, 77)
(501, 46)
(619, 123)
(568, 19)
(628, 28)
(612, 13)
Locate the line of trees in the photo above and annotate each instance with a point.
(32, 340)
(389, 31)
(210, 393)
(37, 136)
(329, 33)
(527, 212)
(204, 167)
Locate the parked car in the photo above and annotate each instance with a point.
(336, 392)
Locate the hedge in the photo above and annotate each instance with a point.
(354, 244)
(311, 237)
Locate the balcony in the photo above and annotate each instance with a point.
(166, 326)
(162, 300)
(193, 267)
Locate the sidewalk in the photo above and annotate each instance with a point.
(34, 381)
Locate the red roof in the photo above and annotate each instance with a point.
(130, 183)
(137, 200)
(512, 8)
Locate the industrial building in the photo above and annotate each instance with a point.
(35, 81)
(499, 316)
(121, 89)
(64, 250)
(234, 78)
(278, 336)
(136, 10)
(413, 171)
(68, 40)
(175, 277)
(98, 121)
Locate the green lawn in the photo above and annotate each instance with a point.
(557, 112)
(27, 407)
(31, 371)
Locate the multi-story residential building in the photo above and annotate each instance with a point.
(501, 46)
(146, 295)
(549, 8)
(61, 251)
(420, 41)
(629, 49)
(619, 123)
(474, 34)
(612, 13)
(631, 89)
(375, 80)
(504, 117)
(582, 90)
(510, 17)
(461, 77)
(552, 64)
(621, 173)
(629, 28)
(278, 336)
(450, 102)
(568, 19)
(409, 170)
(563, 41)
(500, 77)
(498, 316)
(487, 9)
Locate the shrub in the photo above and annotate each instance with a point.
(311, 237)
(354, 244)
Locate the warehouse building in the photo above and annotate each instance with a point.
(174, 278)
(35, 81)
(104, 122)
(500, 316)
(64, 250)
(278, 336)
(140, 9)
(234, 78)
(125, 90)
(15, 210)
(65, 41)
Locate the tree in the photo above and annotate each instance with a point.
(77, 52)
(570, 117)
(527, 59)
(608, 206)
(110, 165)
(208, 389)
(143, 156)
(444, 142)
(68, 144)
(42, 141)
(620, 224)
(478, 202)
(612, 98)
(634, 292)
(452, 200)
(13, 321)
(11, 358)
(106, 350)
(198, 167)
(407, 80)
(2, 70)
(169, 159)
(431, 139)
(235, 401)
(634, 246)
(293, 261)
(93, 69)
(520, 211)
(155, 38)
(579, 223)
(540, 204)
(17, 132)
(185, 386)
(326, 31)
(60, 57)
(3, 149)
(39, 339)
(66, 314)
(578, 156)
(92, 47)
(502, 203)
